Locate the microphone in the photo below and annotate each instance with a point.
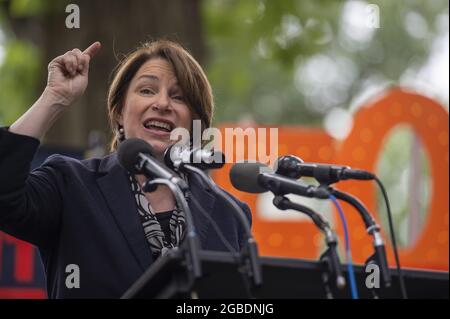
(329, 258)
(176, 156)
(250, 250)
(255, 177)
(294, 167)
(136, 156)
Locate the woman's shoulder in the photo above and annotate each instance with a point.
(93, 165)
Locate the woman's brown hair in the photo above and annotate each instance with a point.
(190, 75)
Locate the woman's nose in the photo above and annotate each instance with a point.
(163, 101)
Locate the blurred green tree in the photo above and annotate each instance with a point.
(34, 32)
(294, 61)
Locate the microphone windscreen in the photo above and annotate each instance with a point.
(244, 176)
(128, 153)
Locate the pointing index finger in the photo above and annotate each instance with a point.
(93, 49)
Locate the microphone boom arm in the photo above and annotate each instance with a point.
(379, 256)
(193, 246)
(329, 257)
(252, 248)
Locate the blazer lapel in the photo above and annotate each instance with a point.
(115, 187)
(206, 199)
(117, 192)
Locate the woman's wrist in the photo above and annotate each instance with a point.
(40, 117)
(53, 100)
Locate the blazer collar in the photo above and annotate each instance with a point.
(114, 184)
(116, 189)
(206, 199)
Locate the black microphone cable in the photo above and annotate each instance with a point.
(251, 246)
(233, 252)
(394, 242)
(329, 258)
(379, 257)
(287, 166)
(368, 220)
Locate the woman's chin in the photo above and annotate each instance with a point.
(159, 147)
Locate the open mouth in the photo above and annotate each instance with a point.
(158, 125)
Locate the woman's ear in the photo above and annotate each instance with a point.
(120, 120)
(120, 132)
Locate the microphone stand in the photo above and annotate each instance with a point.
(249, 255)
(191, 248)
(329, 259)
(379, 256)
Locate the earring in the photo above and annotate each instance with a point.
(121, 134)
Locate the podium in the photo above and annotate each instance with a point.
(282, 278)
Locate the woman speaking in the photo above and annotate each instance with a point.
(93, 213)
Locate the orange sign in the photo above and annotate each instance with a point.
(362, 149)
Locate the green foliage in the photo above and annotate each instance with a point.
(19, 78)
(22, 62)
(249, 67)
(22, 9)
(260, 52)
(290, 62)
(28, 8)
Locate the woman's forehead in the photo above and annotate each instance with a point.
(157, 69)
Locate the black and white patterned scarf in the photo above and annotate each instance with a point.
(158, 242)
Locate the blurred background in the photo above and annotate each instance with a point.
(308, 64)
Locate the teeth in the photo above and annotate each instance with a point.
(158, 124)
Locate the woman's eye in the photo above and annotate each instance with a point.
(178, 97)
(146, 91)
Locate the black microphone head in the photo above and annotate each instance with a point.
(170, 153)
(208, 159)
(288, 166)
(202, 158)
(128, 153)
(244, 176)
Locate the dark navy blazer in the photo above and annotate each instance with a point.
(83, 213)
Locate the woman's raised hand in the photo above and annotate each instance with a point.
(67, 80)
(68, 74)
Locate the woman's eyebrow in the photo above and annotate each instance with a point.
(149, 76)
(154, 78)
